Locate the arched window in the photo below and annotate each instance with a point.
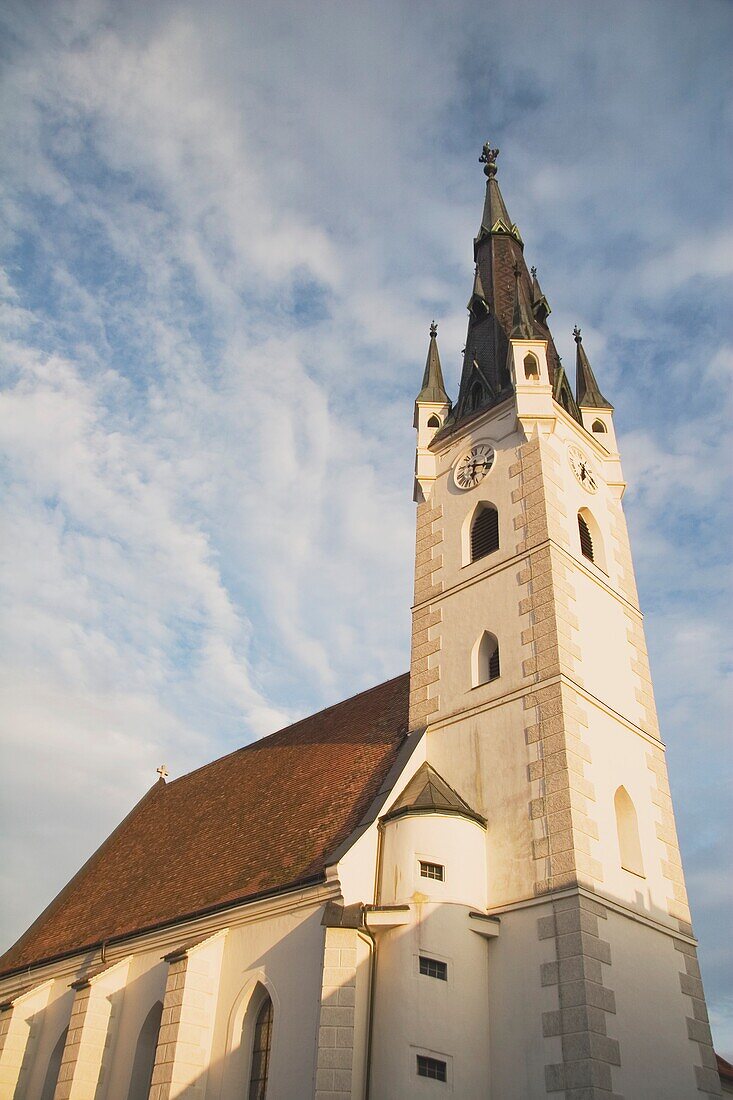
(586, 539)
(142, 1066)
(598, 426)
(531, 367)
(434, 422)
(475, 396)
(484, 532)
(261, 1046)
(485, 659)
(54, 1065)
(627, 827)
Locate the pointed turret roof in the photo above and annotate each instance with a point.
(540, 305)
(433, 387)
(587, 392)
(428, 792)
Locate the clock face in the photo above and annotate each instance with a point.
(581, 467)
(474, 466)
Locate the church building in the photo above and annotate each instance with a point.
(464, 882)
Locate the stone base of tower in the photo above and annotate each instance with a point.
(589, 1001)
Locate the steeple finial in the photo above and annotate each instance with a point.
(433, 330)
(488, 159)
(587, 393)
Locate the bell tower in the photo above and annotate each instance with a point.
(529, 668)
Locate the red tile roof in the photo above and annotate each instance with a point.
(261, 820)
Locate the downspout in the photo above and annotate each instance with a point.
(368, 938)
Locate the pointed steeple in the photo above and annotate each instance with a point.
(540, 305)
(433, 387)
(495, 217)
(587, 392)
(505, 303)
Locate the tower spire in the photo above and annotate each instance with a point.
(433, 386)
(587, 393)
(506, 303)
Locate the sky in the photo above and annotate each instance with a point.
(226, 228)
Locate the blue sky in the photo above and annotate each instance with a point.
(226, 230)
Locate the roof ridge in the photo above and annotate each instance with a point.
(283, 729)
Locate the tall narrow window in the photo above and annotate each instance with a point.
(627, 827)
(261, 1047)
(586, 540)
(142, 1066)
(475, 396)
(484, 532)
(486, 660)
(54, 1065)
(531, 368)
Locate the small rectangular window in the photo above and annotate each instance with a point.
(434, 1068)
(433, 968)
(432, 870)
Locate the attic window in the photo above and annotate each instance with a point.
(434, 1068)
(586, 541)
(433, 968)
(598, 426)
(434, 871)
(531, 368)
(434, 422)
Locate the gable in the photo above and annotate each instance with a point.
(258, 821)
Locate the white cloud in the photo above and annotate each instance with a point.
(210, 481)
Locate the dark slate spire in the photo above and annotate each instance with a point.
(501, 304)
(433, 387)
(587, 392)
(540, 305)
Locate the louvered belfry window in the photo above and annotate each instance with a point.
(586, 541)
(484, 533)
(494, 665)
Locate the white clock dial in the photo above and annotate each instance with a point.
(474, 466)
(581, 467)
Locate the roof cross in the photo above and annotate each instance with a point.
(162, 771)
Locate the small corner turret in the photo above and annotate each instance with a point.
(432, 407)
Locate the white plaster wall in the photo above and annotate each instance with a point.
(285, 953)
(619, 759)
(484, 757)
(517, 999)
(657, 1058)
(417, 1014)
(52, 1021)
(145, 985)
(455, 842)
